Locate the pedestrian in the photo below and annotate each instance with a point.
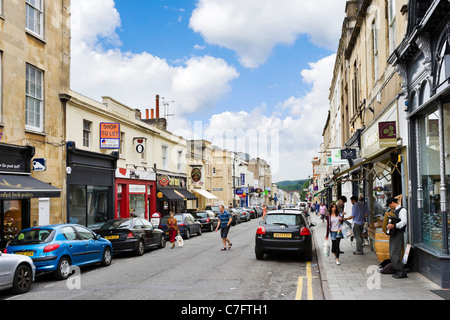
(396, 237)
(323, 212)
(334, 219)
(341, 205)
(225, 222)
(359, 214)
(264, 208)
(172, 224)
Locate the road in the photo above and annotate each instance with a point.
(198, 271)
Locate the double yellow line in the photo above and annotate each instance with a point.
(309, 278)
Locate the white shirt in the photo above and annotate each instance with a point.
(403, 216)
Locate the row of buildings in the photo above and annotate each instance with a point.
(388, 127)
(67, 158)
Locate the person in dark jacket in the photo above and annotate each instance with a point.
(396, 236)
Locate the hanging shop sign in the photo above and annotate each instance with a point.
(109, 135)
(336, 159)
(196, 174)
(348, 154)
(164, 180)
(387, 131)
(370, 138)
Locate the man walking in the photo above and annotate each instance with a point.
(225, 222)
(396, 238)
(359, 214)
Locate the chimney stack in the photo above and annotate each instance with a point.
(146, 114)
(153, 113)
(157, 106)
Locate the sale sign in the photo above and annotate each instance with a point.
(109, 135)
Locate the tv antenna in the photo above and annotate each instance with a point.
(166, 106)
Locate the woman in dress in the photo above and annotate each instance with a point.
(334, 219)
(172, 224)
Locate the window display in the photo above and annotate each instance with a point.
(137, 205)
(12, 219)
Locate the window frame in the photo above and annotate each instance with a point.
(28, 126)
(39, 15)
(89, 133)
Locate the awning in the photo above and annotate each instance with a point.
(205, 194)
(17, 187)
(172, 194)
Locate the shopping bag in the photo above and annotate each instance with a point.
(326, 248)
(179, 241)
(346, 230)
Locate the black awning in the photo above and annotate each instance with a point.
(172, 194)
(17, 187)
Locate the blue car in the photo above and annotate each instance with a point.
(55, 248)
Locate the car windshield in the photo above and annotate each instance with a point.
(287, 219)
(33, 236)
(116, 224)
(200, 215)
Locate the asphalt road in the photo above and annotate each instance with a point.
(198, 271)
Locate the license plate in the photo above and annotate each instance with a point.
(112, 237)
(282, 235)
(25, 253)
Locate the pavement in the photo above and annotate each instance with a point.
(357, 277)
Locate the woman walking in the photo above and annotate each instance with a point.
(334, 219)
(172, 224)
(323, 212)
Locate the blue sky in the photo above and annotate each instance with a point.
(261, 64)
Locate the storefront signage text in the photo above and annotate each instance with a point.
(109, 135)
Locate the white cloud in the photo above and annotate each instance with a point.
(288, 143)
(135, 78)
(252, 28)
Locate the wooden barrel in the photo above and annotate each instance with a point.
(381, 245)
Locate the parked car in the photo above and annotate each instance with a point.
(253, 212)
(186, 225)
(284, 231)
(54, 248)
(132, 235)
(207, 219)
(236, 216)
(16, 273)
(244, 214)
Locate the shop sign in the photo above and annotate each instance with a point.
(336, 159)
(39, 165)
(137, 188)
(109, 135)
(348, 154)
(196, 174)
(164, 180)
(370, 139)
(387, 131)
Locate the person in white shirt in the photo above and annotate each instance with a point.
(396, 237)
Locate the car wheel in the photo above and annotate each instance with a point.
(188, 234)
(63, 270)
(23, 278)
(259, 256)
(211, 227)
(162, 243)
(199, 233)
(107, 257)
(141, 248)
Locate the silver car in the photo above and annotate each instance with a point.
(16, 272)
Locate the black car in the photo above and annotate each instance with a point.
(132, 234)
(284, 231)
(207, 219)
(253, 212)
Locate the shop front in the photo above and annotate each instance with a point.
(17, 188)
(135, 193)
(172, 195)
(90, 186)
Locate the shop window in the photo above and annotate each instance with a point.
(431, 179)
(12, 219)
(447, 159)
(88, 205)
(137, 205)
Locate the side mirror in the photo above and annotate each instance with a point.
(313, 224)
(97, 237)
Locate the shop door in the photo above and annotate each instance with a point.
(44, 211)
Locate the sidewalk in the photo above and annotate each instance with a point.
(351, 280)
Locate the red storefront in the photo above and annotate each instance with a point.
(135, 193)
